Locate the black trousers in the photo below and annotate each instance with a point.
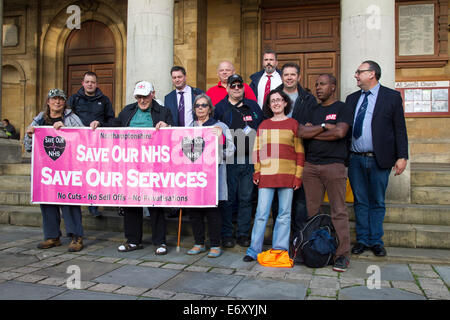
(197, 218)
(134, 220)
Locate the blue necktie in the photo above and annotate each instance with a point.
(357, 128)
(181, 110)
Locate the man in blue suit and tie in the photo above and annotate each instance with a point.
(180, 100)
(379, 143)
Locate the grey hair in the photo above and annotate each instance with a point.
(208, 100)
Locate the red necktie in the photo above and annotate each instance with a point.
(266, 89)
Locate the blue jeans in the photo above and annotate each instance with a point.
(51, 220)
(281, 231)
(240, 187)
(299, 213)
(369, 183)
(94, 211)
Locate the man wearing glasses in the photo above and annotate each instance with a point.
(243, 117)
(379, 143)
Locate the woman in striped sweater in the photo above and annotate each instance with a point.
(278, 156)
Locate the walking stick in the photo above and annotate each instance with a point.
(179, 231)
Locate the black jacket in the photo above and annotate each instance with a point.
(89, 108)
(255, 80)
(158, 112)
(304, 103)
(389, 136)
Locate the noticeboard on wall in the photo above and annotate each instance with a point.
(425, 98)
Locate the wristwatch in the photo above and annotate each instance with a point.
(323, 126)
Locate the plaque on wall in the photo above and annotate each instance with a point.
(425, 98)
(416, 29)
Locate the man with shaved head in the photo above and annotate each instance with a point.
(219, 92)
(324, 132)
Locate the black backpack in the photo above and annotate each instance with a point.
(315, 244)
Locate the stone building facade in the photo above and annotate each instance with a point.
(41, 51)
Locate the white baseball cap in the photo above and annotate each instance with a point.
(143, 88)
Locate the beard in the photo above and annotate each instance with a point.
(269, 69)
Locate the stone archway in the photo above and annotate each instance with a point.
(13, 96)
(53, 43)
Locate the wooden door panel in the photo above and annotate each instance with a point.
(304, 34)
(318, 63)
(295, 58)
(75, 76)
(92, 48)
(105, 78)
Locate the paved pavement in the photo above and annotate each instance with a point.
(27, 273)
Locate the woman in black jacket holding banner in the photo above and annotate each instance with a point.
(145, 113)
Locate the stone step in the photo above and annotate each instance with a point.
(15, 169)
(430, 151)
(15, 198)
(430, 195)
(15, 182)
(409, 214)
(395, 213)
(430, 175)
(395, 235)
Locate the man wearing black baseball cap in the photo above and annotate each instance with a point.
(243, 117)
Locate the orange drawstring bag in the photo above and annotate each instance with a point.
(275, 258)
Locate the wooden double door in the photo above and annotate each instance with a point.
(307, 35)
(91, 48)
(105, 77)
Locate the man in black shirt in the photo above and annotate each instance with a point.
(243, 117)
(324, 129)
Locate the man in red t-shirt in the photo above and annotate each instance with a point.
(218, 92)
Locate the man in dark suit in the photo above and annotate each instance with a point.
(379, 143)
(180, 100)
(267, 79)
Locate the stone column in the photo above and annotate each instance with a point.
(368, 33)
(150, 45)
(1, 55)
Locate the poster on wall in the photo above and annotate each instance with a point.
(416, 29)
(425, 98)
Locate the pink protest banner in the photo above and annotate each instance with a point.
(171, 167)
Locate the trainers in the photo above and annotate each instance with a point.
(76, 244)
(49, 243)
(341, 263)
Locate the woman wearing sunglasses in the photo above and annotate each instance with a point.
(203, 112)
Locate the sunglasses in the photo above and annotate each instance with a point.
(236, 86)
(202, 105)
